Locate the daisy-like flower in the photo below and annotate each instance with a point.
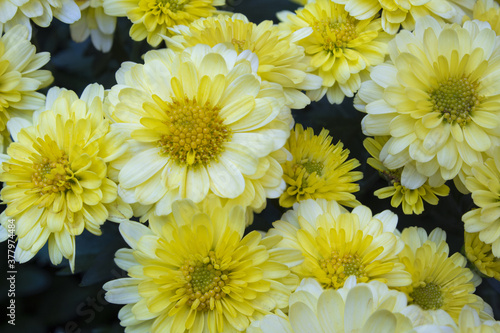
(21, 76)
(40, 12)
(480, 255)
(484, 183)
(412, 200)
(436, 99)
(439, 281)
(342, 48)
(318, 169)
(357, 307)
(281, 60)
(55, 179)
(152, 18)
(196, 272)
(488, 11)
(337, 243)
(94, 23)
(200, 122)
(397, 13)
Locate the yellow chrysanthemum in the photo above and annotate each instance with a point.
(196, 272)
(337, 243)
(487, 11)
(40, 12)
(281, 60)
(200, 122)
(484, 183)
(480, 255)
(362, 307)
(55, 179)
(412, 200)
(436, 98)
(152, 18)
(94, 23)
(20, 75)
(438, 281)
(397, 13)
(342, 48)
(318, 169)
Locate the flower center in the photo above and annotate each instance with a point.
(455, 99)
(428, 297)
(171, 5)
(196, 133)
(336, 34)
(392, 176)
(52, 176)
(313, 166)
(205, 282)
(239, 44)
(338, 268)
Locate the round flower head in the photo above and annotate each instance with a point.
(20, 75)
(337, 244)
(40, 12)
(436, 98)
(488, 11)
(397, 13)
(484, 183)
(318, 169)
(152, 18)
(480, 255)
(196, 272)
(439, 281)
(94, 23)
(200, 122)
(55, 179)
(342, 48)
(362, 307)
(412, 200)
(281, 60)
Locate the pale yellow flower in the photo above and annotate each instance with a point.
(342, 48)
(152, 18)
(55, 179)
(487, 11)
(196, 272)
(480, 255)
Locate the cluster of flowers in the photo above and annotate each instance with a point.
(195, 140)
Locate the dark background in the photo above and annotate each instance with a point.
(50, 299)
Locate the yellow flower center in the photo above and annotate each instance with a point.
(196, 133)
(336, 34)
(392, 176)
(455, 99)
(313, 166)
(338, 268)
(52, 176)
(239, 44)
(205, 282)
(428, 297)
(164, 6)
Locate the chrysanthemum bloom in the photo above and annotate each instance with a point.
(20, 75)
(362, 307)
(94, 23)
(439, 281)
(342, 48)
(488, 11)
(55, 179)
(397, 13)
(200, 122)
(436, 98)
(281, 60)
(152, 18)
(337, 243)
(484, 183)
(196, 272)
(318, 169)
(480, 255)
(412, 200)
(14, 12)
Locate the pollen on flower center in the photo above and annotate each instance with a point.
(313, 166)
(171, 5)
(196, 133)
(336, 34)
(428, 297)
(205, 282)
(455, 99)
(52, 176)
(338, 268)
